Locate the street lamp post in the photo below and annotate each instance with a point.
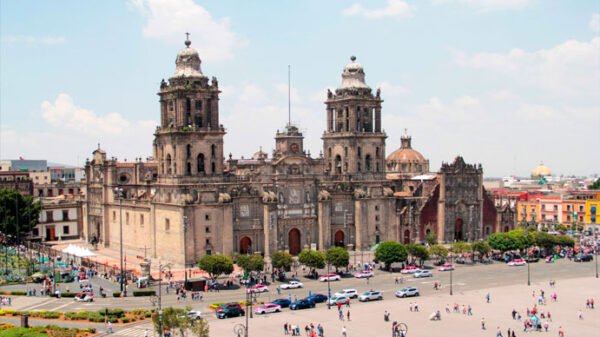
(119, 194)
(596, 247)
(160, 316)
(528, 275)
(451, 268)
(328, 289)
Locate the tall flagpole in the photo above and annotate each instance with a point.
(289, 97)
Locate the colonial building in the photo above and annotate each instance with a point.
(190, 201)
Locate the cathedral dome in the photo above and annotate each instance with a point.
(353, 75)
(187, 63)
(406, 159)
(541, 171)
(260, 155)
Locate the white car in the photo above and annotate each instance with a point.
(422, 273)
(352, 293)
(446, 267)
(335, 299)
(267, 308)
(194, 314)
(364, 274)
(329, 277)
(517, 262)
(292, 285)
(408, 291)
(371, 295)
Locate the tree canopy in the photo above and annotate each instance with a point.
(337, 257)
(419, 252)
(312, 258)
(481, 247)
(250, 262)
(460, 247)
(215, 265)
(390, 252)
(431, 238)
(439, 251)
(176, 319)
(18, 213)
(282, 260)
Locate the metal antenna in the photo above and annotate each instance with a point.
(289, 97)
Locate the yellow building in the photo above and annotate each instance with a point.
(529, 211)
(592, 210)
(573, 211)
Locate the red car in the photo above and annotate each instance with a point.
(409, 270)
(258, 288)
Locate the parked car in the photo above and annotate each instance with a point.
(317, 298)
(329, 277)
(302, 304)
(267, 308)
(258, 288)
(194, 314)
(446, 267)
(408, 291)
(84, 297)
(352, 293)
(583, 258)
(282, 302)
(371, 295)
(228, 312)
(229, 306)
(409, 270)
(549, 259)
(422, 273)
(364, 274)
(335, 299)
(531, 259)
(517, 262)
(292, 285)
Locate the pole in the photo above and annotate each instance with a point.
(451, 275)
(18, 229)
(160, 330)
(596, 247)
(528, 275)
(289, 96)
(328, 289)
(121, 236)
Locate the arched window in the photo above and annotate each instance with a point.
(368, 163)
(168, 163)
(188, 169)
(377, 152)
(175, 168)
(213, 168)
(338, 164)
(200, 163)
(329, 152)
(188, 151)
(213, 150)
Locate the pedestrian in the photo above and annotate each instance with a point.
(561, 332)
(109, 327)
(348, 303)
(482, 323)
(508, 332)
(469, 310)
(447, 308)
(546, 326)
(146, 333)
(411, 306)
(348, 314)
(285, 328)
(396, 279)
(579, 314)
(416, 307)
(498, 332)
(487, 297)
(344, 334)
(341, 314)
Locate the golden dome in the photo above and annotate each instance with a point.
(406, 159)
(541, 171)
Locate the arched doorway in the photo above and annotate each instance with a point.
(505, 229)
(458, 230)
(406, 239)
(294, 241)
(245, 245)
(339, 239)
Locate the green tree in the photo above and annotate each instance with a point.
(595, 185)
(18, 214)
(565, 241)
(215, 265)
(172, 319)
(460, 247)
(250, 262)
(390, 252)
(199, 327)
(502, 242)
(312, 259)
(438, 250)
(419, 252)
(481, 247)
(337, 257)
(431, 238)
(523, 238)
(545, 241)
(282, 260)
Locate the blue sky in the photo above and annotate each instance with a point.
(507, 83)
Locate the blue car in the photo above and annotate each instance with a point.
(302, 304)
(317, 298)
(283, 302)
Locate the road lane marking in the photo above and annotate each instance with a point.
(61, 306)
(40, 304)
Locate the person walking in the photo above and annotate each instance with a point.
(146, 333)
(482, 323)
(348, 315)
(344, 332)
(109, 327)
(487, 297)
(498, 332)
(561, 332)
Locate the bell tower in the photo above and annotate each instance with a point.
(189, 141)
(354, 143)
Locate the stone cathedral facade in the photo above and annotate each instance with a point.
(189, 200)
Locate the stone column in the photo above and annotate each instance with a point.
(378, 119)
(359, 224)
(227, 229)
(441, 212)
(266, 230)
(324, 219)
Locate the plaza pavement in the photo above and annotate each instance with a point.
(367, 318)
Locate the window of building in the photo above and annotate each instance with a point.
(568, 218)
(581, 218)
(207, 242)
(580, 208)
(65, 214)
(142, 220)
(568, 207)
(556, 218)
(377, 207)
(66, 230)
(49, 216)
(167, 224)
(207, 229)
(40, 192)
(60, 191)
(127, 218)
(207, 217)
(114, 216)
(35, 232)
(70, 191)
(377, 218)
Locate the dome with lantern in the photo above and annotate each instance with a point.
(406, 160)
(187, 63)
(541, 171)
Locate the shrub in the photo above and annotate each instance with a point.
(50, 314)
(138, 293)
(125, 320)
(117, 294)
(148, 314)
(68, 294)
(18, 293)
(95, 317)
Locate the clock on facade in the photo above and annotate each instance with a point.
(294, 147)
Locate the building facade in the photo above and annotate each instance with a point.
(190, 200)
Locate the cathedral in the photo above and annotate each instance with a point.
(189, 200)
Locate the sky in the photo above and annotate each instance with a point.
(504, 83)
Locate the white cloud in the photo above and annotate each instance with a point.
(595, 22)
(389, 89)
(168, 20)
(35, 40)
(570, 68)
(393, 8)
(490, 5)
